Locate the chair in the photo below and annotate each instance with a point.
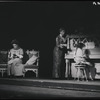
(34, 67)
(3, 68)
(79, 68)
(3, 61)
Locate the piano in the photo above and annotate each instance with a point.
(92, 44)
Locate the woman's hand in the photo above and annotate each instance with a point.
(20, 56)
(63, 45)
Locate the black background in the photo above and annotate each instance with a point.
(36, 24)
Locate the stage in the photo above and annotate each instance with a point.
(47, 88)
(92, 86)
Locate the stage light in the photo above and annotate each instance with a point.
(94, 3)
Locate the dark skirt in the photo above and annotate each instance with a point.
(58, 58)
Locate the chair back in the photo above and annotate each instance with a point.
(37, 54)
(3, 57)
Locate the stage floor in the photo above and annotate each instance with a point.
(94, 82)
(92, 86)
(47, 88)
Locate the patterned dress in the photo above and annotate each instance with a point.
(58, 57)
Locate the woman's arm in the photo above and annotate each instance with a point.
(57, 42)
(64, 39)
(20, 54)
(10, 55)
(64, 42)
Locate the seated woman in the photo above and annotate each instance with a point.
(80, 57)
(14, 57)
(33, 55)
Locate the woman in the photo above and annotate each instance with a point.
(58, 53)
(81, 57)
(14, 57)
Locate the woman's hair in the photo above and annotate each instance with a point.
(14, 42)
(80, 45)
(61, 29)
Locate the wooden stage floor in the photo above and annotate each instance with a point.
(92, 86)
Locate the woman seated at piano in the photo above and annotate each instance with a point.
(14, 57)
(80, 57)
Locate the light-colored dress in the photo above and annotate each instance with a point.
(79, 56)
(79, 59)
(15, 57)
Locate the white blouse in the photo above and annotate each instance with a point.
(78, 53)
(18, 52)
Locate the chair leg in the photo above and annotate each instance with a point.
(90, 76)
(78, 73)
(24, 75)
(37, 73)
(85, 75)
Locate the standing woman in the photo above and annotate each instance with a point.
(14, 57)
(58, 54)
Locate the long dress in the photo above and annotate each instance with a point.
(14, 61)
(58, 57)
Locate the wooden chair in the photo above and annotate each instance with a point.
(3, 62)
(3, 68)
(34, 67)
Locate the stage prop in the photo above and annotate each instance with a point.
(31, 67)
(92, 48)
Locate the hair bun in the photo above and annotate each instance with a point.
(14, 42)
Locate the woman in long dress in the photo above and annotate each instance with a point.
(58, 54)
(14, 58)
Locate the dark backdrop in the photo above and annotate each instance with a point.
(36, 24)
